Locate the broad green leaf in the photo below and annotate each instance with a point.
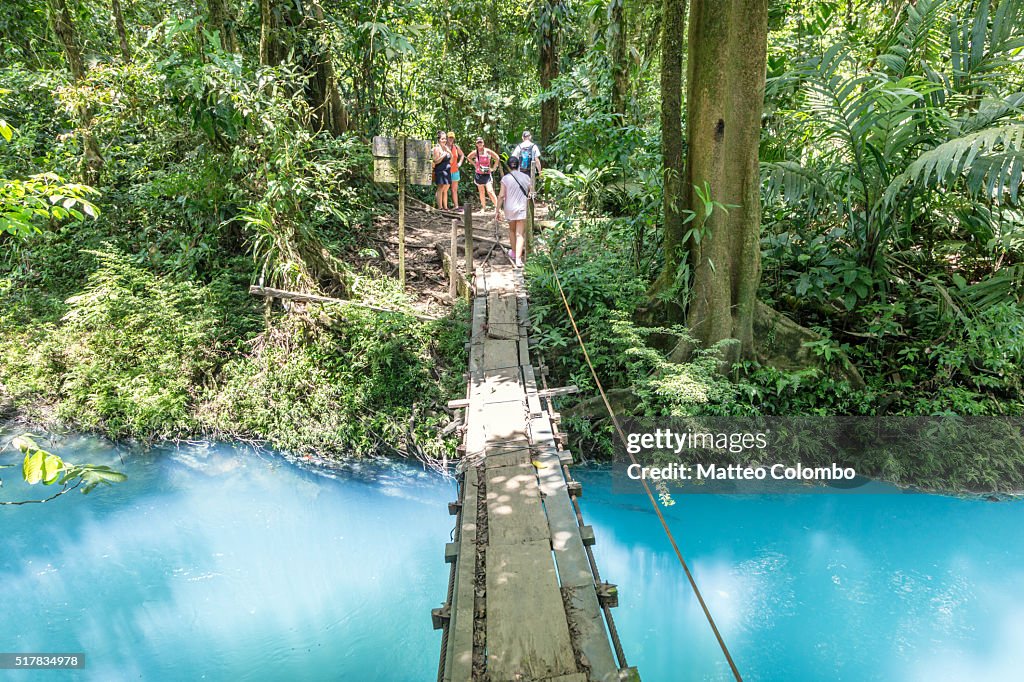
(32, 467)
(52, 468)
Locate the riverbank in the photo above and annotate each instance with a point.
(153, 357)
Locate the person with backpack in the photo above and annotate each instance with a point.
(529, 155)
(442, 157)
(484, 162)
(516, 188)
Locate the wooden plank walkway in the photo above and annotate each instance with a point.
(524, 604)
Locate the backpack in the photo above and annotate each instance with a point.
(526, 157)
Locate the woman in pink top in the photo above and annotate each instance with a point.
(484, 163)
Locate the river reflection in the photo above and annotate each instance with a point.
(214, 562)
(217, 562)
(823, 587)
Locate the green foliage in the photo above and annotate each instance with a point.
(364, 383)
(46, 197)
(41, 466)
(127, 355)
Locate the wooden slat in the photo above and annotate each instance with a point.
(509, 454)
(459, 657)
(500, 354)
(500, 385)
(514, 510)
(532, 398)
(555, 392)
(571, 560)
(527, 632)
(502, 321)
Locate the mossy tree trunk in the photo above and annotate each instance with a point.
(222, 20)
(323, 94)
(62, 20)
(673, 22)
(274, 16)
(122, 34)
(549, 68)
(617, 55)
(725, 98)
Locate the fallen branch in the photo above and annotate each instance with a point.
(295, 296)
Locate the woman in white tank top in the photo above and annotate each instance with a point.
(514, 198)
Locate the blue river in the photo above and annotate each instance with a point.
(221, 563)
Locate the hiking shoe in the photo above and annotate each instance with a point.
(511, 256)
(519, 263)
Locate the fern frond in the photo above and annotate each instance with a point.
(794, 183)
(989, 160)
(920, 36)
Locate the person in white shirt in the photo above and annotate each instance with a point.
(528, 154)
(516, 188)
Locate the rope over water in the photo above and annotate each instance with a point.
(647, 489)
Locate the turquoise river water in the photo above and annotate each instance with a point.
(217, 563)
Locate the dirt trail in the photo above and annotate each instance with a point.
(427, 240)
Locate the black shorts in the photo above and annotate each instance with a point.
(483, 178)
(443, 176)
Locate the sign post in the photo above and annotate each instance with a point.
(403, 161)
(401, 212)
(467, 241)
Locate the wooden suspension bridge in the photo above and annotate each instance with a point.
(525, 601)
(525, 598)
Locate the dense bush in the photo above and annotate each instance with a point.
(127, 357)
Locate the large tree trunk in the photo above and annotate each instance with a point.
(324, 97)
(725, 97)
(64, 28)
(222, 20)
(122, 35)
(272, 20)
(549, 69)
(673, 21)
(617, 55)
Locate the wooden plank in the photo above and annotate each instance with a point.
(587, 623)
(500, 385)
(514, 510)
(532, 398)
(502, 321)
(296, 296)
(509, 454)
(459, 657)
(524, 353)
(571, 562)
(523, 314)
(556, 392)
(522, 591)
(500, 354)
(503, 422)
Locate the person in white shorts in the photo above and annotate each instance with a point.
(516, 187)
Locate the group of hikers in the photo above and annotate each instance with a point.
(517, 186)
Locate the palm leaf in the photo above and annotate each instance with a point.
(989, 160)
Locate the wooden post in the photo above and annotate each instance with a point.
(467, 241)
(528, 246)
(401, 211)
(453, 270)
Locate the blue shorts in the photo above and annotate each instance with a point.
(456, 176)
